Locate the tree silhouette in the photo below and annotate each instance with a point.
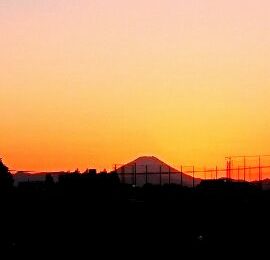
(6, 179)
(49, 179)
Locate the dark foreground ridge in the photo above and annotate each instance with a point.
(95, 215)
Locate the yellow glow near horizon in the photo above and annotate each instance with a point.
(93, 83)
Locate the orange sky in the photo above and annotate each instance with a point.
(93, 83)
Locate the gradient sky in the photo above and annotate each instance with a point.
(93, 83)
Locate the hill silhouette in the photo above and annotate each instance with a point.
(153, 167)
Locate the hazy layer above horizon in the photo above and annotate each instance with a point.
(92, 83)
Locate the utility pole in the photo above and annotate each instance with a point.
(260, 168)
(146, 174)
(192, 171)
(245, 164)
(160, 175)
(169, 175)
(181, 176)
(135, 175)
(193, 181)
(123, 174)
(244, 168)
(228, 173)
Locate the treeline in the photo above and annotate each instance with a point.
(95, 214)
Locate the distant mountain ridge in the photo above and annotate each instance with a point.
(24, 176)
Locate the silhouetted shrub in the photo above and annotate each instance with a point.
(6, 179)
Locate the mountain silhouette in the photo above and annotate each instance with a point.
(153, 166)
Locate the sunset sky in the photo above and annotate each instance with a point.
(92, 83)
